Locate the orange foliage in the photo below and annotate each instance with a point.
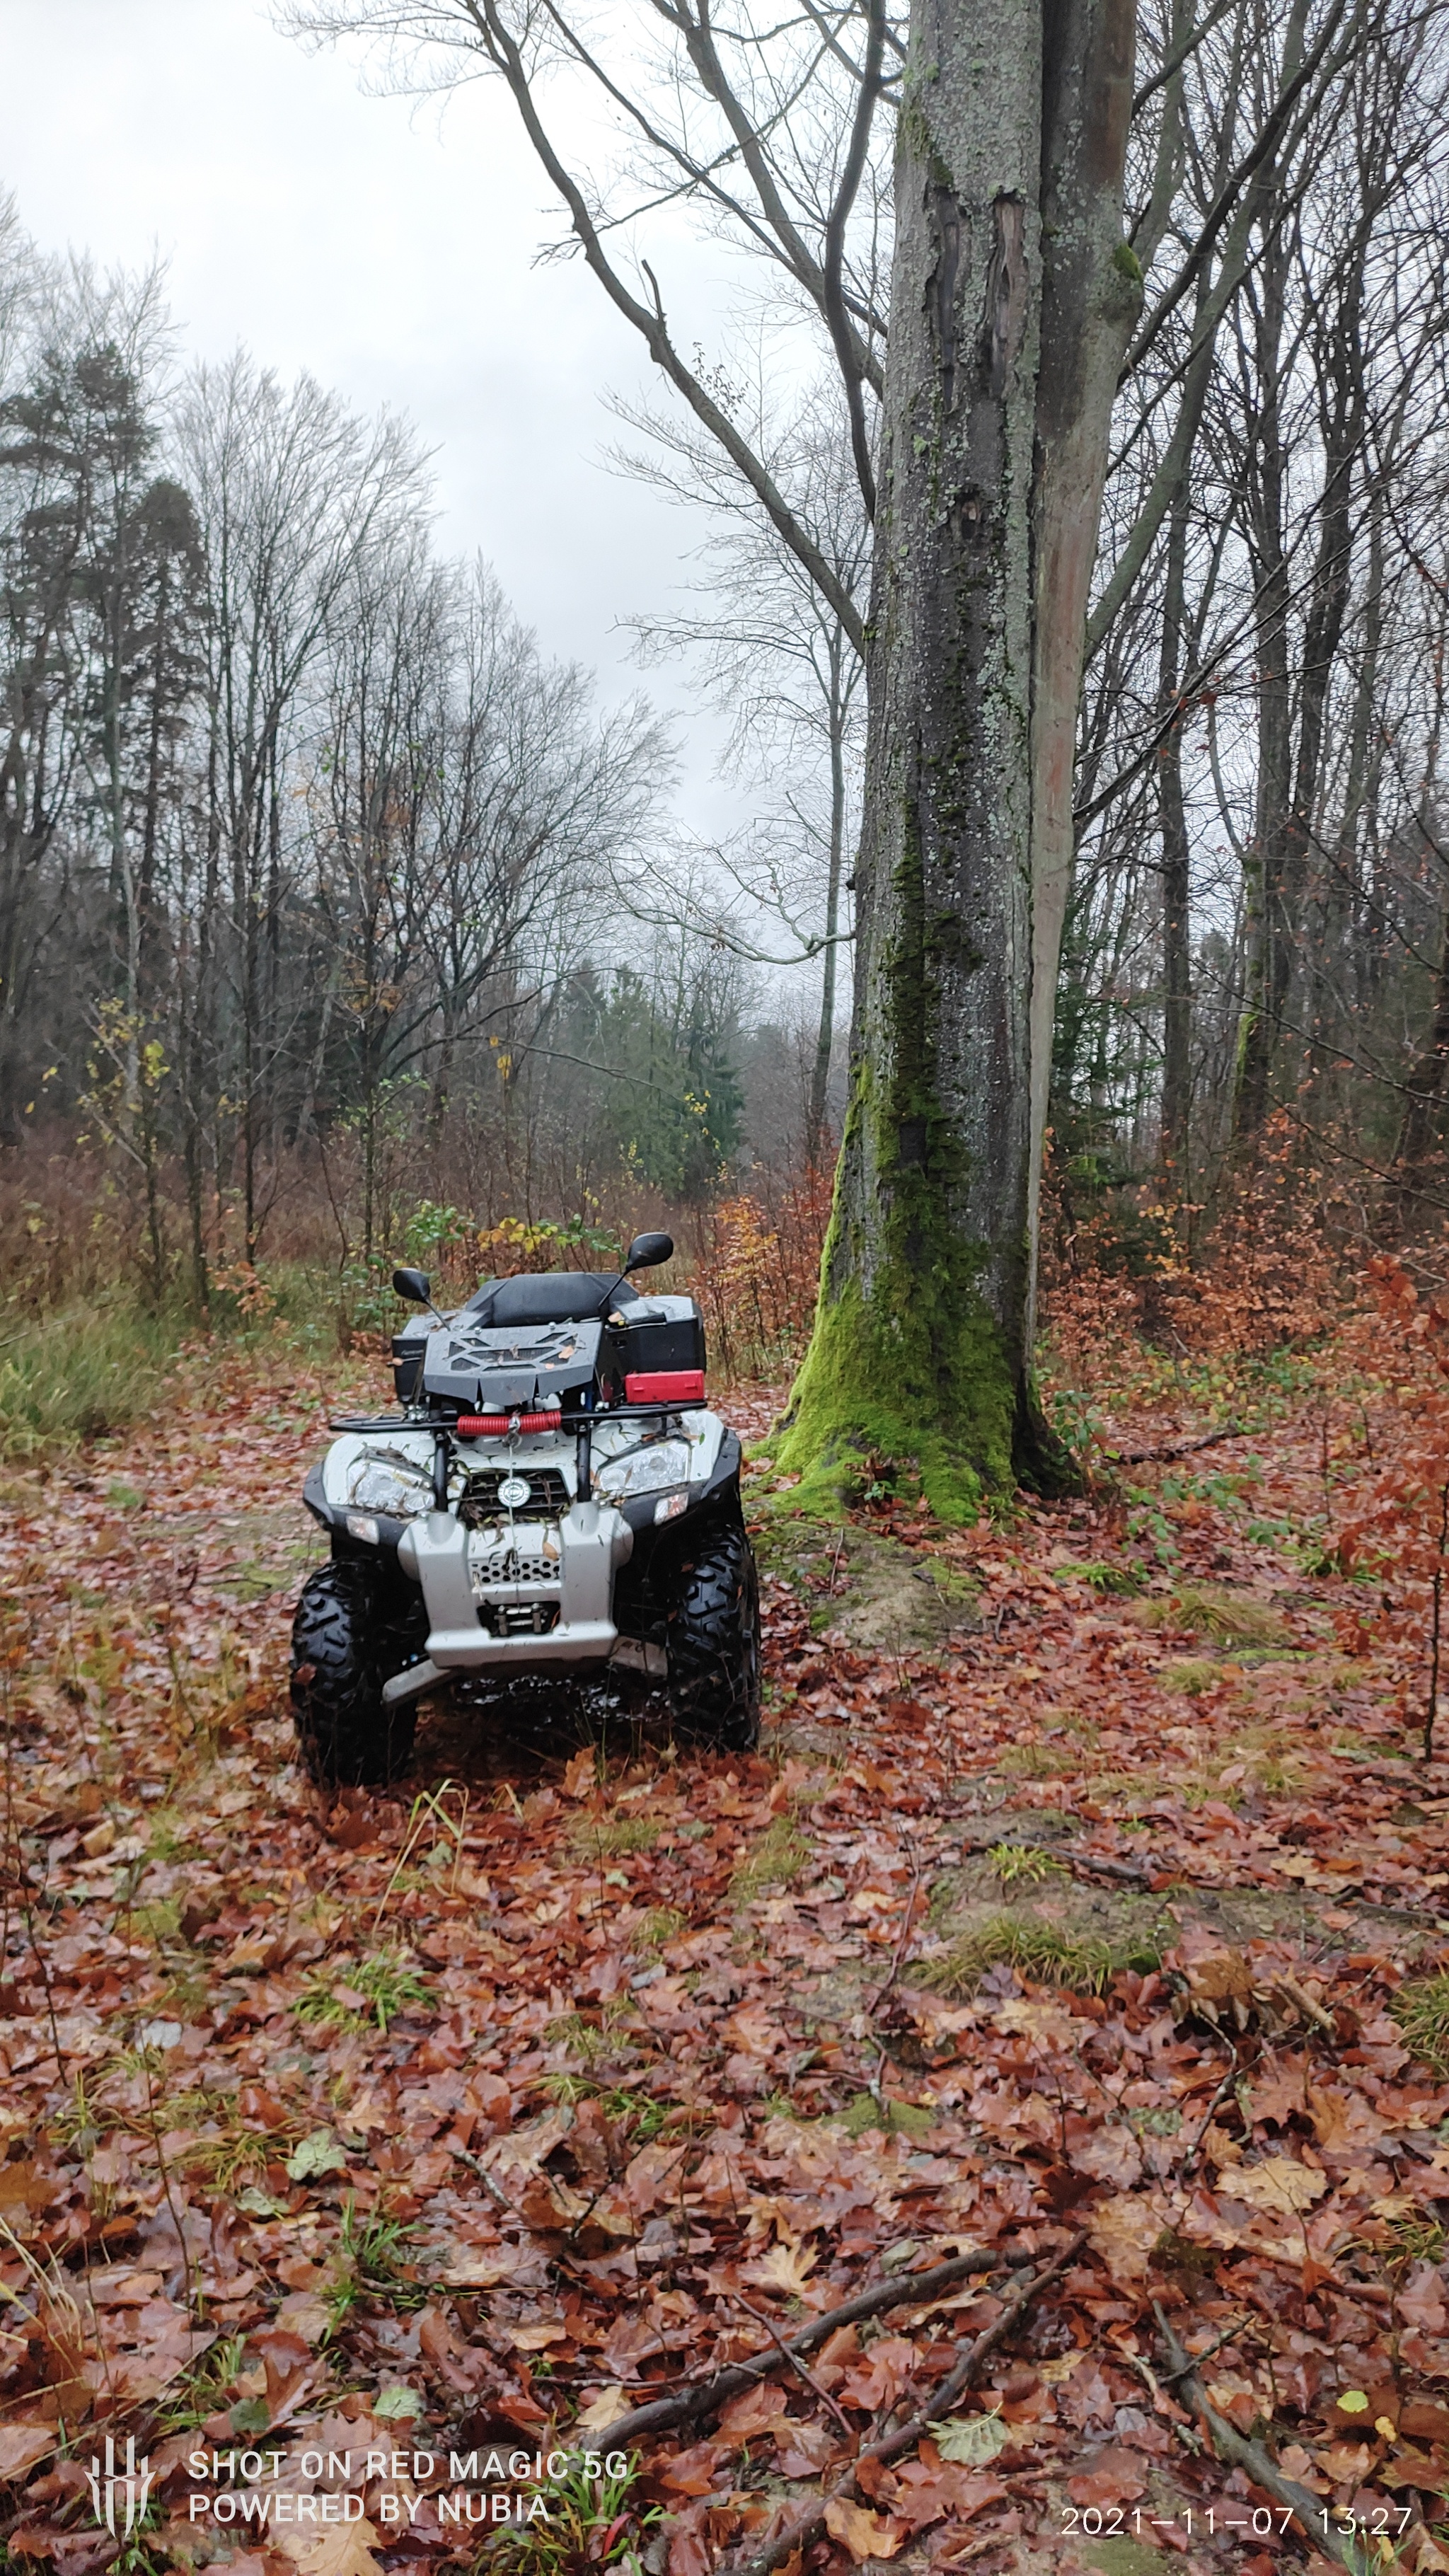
(757, 1275)
(1271, 1268)
(1398, 1529)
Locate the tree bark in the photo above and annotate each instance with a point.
(1176, 886)
(817, 1106)
(993, 457)
(1419, 1131)
(1339, 947)
(1091, 297)
(1265, 868)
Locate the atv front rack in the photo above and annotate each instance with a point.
(660, 1408)
(579, 1426)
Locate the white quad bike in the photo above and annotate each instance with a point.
(552, 1496)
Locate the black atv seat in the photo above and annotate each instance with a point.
(549, 1297)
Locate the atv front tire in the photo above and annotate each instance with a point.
(713, 1637)
(340, 1638)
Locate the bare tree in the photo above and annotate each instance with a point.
(774, 654)
(290, 490)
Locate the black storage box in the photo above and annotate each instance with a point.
(652, 1345)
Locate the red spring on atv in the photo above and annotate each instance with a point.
(496, 1426)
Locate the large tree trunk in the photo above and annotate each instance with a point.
(992, 469)
(816, 1112)
(1176, 875)
(1416, 1173)
(1267, 950)
(1091, 296)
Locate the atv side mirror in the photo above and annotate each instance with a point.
(415, 1285)
(647, 1251)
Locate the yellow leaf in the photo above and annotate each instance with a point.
(1279, 2185)
(303, 2313)
(865, 2535)
(605, 2407)
(1124, 2231)
(1046, 2022)
(338, 2549)
(786, 2267)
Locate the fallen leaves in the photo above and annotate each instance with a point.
(864, 2534)
(523, 2102)
(1278, 2185)
(975, 2440)
(343, 2549)
(22, 2446)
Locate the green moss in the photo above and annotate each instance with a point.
(1129, 2558)
(917, 1371)
(1101, 1578)
(898, 2119)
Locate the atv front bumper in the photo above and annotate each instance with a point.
(564, 1616)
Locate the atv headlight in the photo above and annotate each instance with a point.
(376, 1488)
(646, 1471)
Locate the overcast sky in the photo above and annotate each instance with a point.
(386, 245)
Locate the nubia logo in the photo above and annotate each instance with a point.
(119, 2491)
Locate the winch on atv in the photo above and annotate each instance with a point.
(551, 1495)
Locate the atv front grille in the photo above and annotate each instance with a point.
(548, 1495)
(521, 1564)
(519, 1618)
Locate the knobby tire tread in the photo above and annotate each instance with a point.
(346, 1737)
(713, 1633)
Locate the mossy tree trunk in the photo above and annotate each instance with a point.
(1011, 299)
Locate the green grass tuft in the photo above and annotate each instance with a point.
(609, 1837)
(1229, 1618)
(1191, 1674)
(1023, 1864)
(589, 2041)
(1033, 1762)
(373, 2264)
(778, 1856)
(79, 1372)
(388, 1984)
(1421, 2009)
(637, 2113)
(1123, 1580)
(592, 2522)
(1083, 1963)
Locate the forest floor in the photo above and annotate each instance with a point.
(1084, 1901)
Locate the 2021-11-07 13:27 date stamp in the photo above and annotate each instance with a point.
(1233, 2514)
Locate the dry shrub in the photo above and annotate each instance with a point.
(757, 1273)
(1278, 1264)
(1396, 1530)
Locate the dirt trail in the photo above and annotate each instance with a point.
(1074, 1889)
